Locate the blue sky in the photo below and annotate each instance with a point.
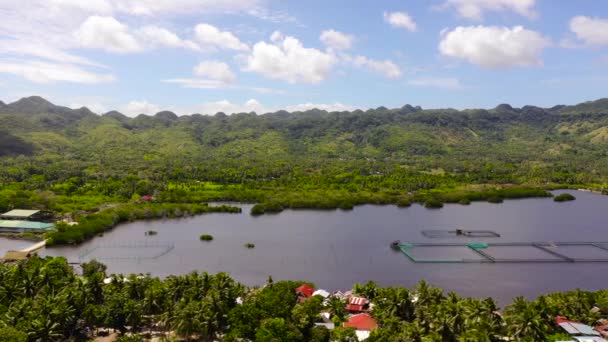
(263, 55)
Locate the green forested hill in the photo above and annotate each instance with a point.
(45, 147)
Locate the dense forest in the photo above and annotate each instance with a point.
(44, 300)
(73, 161)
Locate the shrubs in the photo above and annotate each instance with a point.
(433, 203)
(94, 224)
(404, 202)
(495, 199)
(564, 197)
(206, 237)
(464, 201)
(258, 209)
(249, 245)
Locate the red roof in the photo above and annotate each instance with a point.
(362, 322)
(305, 290)
(354, 307)
(357, 301)
(147, 198)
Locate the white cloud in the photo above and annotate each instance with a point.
(253, 105)
(276, 36)
(108, 34)
(332, 107)
(592, 31)
(197, 83)
(215, 70)
(474, 9)
(385, 67)
(336, 40)
(290, 61)
(91, 6)
(158, 36)
(436, 82)
(172, 7)
(211, 37)
(400, 19)
(137, 107)
(493, 46)
(41, 50)
(228, 107)
(43, 72)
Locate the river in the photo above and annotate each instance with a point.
(335, 249)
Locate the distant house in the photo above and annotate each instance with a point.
(146, 199)
(321, 293)
(578, 331)
(363, 324)
(304, 292)
(14, 226)
(27, 215)
(357, 304)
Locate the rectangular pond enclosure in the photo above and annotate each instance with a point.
(505, 252)
(134, 250)
(438, 234)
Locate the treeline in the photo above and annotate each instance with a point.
(90, 225)
(44, 300)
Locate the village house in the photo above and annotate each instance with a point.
(363, 323)
(578, 331)
(304, 292)
(357, 304)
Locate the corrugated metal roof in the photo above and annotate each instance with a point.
(574, 328)
(20, 213)
(585, 329)
(589, 339)
(357, 301)
(26, 225)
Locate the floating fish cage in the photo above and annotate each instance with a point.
(126, 251)
(442, 234)
(506, 252)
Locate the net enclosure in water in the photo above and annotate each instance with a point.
(442, 234)
(505, 252)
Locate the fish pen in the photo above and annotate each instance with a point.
(126, 251)
(442, 234)
(505, 252)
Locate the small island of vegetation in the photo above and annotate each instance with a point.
(433, 203)
(206, 237)
(249, 245)
(564, 197)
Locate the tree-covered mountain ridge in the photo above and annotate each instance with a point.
(563, 144)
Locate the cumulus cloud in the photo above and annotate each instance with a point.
(383, 67)
(228, 107)
(137, 107)
(157, 36)
(108, 34)
(591, 31)
(401, 20)
(289, 60)
(493, 46)
(43, 72)
(215, 70)
(212, 37)
(436, 82)
(474, 9)
(336, 40)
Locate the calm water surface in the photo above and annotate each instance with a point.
(335, 249)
